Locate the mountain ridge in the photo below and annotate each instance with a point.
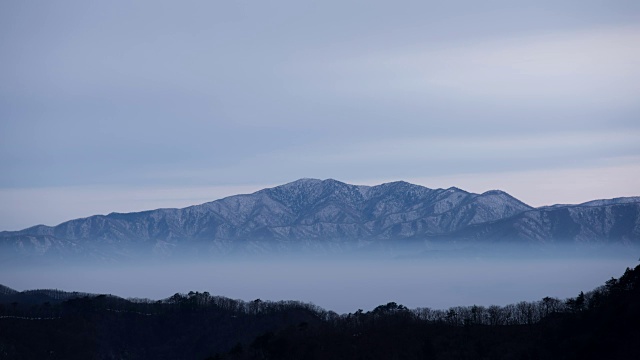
(312, 212)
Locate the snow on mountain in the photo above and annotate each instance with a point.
(309, 212)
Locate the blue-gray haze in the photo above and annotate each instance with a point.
(342, 285)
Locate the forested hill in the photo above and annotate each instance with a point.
(599, 324)
(327, 215)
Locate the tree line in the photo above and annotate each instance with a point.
(201, 325)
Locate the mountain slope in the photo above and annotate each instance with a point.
(608, 221)
(297, 213)
(319, 215)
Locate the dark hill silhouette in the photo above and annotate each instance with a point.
(595, 325)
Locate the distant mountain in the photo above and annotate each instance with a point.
(328, 214)
(598, 221)
(31, 297)
(5, 290)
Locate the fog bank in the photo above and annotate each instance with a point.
(341, 285)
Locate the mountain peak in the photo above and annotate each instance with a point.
(302, 181)
(495, 192)
(453, 189)
(311, 182)
(503, 195)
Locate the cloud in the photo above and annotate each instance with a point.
(480, 148)
(596, 66)
(437, 155)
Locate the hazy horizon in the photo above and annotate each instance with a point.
(439, 276)
(340, 285)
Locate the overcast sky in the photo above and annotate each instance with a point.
(131, 105)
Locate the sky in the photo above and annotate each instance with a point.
(131, 105)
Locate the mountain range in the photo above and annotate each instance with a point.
(321, 215)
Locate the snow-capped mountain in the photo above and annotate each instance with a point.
(310, 213)
(599, 221)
